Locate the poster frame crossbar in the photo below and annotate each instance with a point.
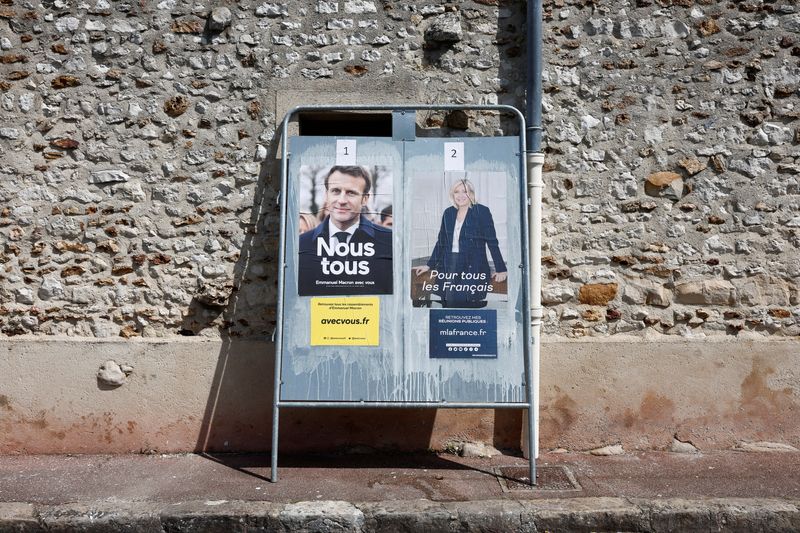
(529, 367)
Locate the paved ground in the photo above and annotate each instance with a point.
(632, 492)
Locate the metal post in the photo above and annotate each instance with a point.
(273, 476)
(276, 391)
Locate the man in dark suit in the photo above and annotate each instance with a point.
(346, 254)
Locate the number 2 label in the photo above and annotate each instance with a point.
(454, 157)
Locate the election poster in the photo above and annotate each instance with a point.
(350, 321)
(345, 241)
(459, 240)
(460, 333)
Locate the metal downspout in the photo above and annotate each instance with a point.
(534, 161)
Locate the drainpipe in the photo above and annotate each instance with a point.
(535, 161)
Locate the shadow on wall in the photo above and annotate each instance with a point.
(238, 415)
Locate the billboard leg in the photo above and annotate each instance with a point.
(273, 477)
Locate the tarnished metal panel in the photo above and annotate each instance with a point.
(404, 125)
(348, 373)
(493, 166)
(401, 368)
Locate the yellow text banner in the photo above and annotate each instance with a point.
(345, 321)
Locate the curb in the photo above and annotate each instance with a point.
(576, 514)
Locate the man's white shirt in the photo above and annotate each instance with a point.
(333, 230)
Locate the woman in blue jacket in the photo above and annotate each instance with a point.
(459, 256)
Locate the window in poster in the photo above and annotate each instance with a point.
(459, 237)
(345, 245)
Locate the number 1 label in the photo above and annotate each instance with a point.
(345, 152)
(454, 157)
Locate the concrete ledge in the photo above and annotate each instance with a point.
(726, 514)
(18, 517)
(194, 394)
(106, 516)
(222, 516)
(579, 514)
(587, 514)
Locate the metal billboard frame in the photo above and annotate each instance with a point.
(530, 366)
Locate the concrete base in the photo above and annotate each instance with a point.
(711, 392)
(581, 514)
(191, 394)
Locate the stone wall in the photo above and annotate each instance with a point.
(674, 149)
(137, 182)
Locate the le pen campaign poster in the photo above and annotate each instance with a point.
(459, 244)
(345, 230)
(459, 240)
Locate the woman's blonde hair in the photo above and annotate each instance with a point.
(469, 188)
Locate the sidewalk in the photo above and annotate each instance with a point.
(653, 491)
